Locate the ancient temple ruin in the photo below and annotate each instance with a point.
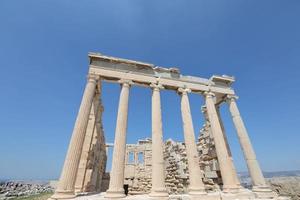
(199, 168)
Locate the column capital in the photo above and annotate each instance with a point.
(183, 91)
(209, 94)
(92, 78)
(230, 98)
(203, 109)
(156, 86)
(125, 82)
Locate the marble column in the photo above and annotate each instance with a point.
(90, 133)
(225, 162)
(196, 186)
(258, 181)
(158, 168)
(116, 182)
(67, 179)
(234, 173)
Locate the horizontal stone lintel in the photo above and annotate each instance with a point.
(168, 83)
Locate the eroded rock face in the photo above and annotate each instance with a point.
(286, 186)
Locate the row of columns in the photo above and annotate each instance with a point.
(230, 181)
(225, 162)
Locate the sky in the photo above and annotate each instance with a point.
(43, 67)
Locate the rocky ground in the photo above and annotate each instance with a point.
(282, 184)
(18, 189)
(286, 186)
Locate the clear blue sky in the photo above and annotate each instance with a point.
(43, 67)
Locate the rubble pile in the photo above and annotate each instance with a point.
(12, 189)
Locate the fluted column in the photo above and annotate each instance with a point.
(256, 174)
(89, 135)
(116, 182)
(196, 186)
(158, 168)
(225, 162)
(234, 173)
(67, 179)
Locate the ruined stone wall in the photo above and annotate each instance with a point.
(176, 174)
(208, 158)
(138, 167)
(138, 175)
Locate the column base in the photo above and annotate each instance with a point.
(197, 191)
(78, 190)
(115, 194)
(159, 192)
(202, 195)
(231, 188)
(264, 192)
(63, 195)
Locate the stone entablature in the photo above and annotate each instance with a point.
(113, 69)
(128, 73)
